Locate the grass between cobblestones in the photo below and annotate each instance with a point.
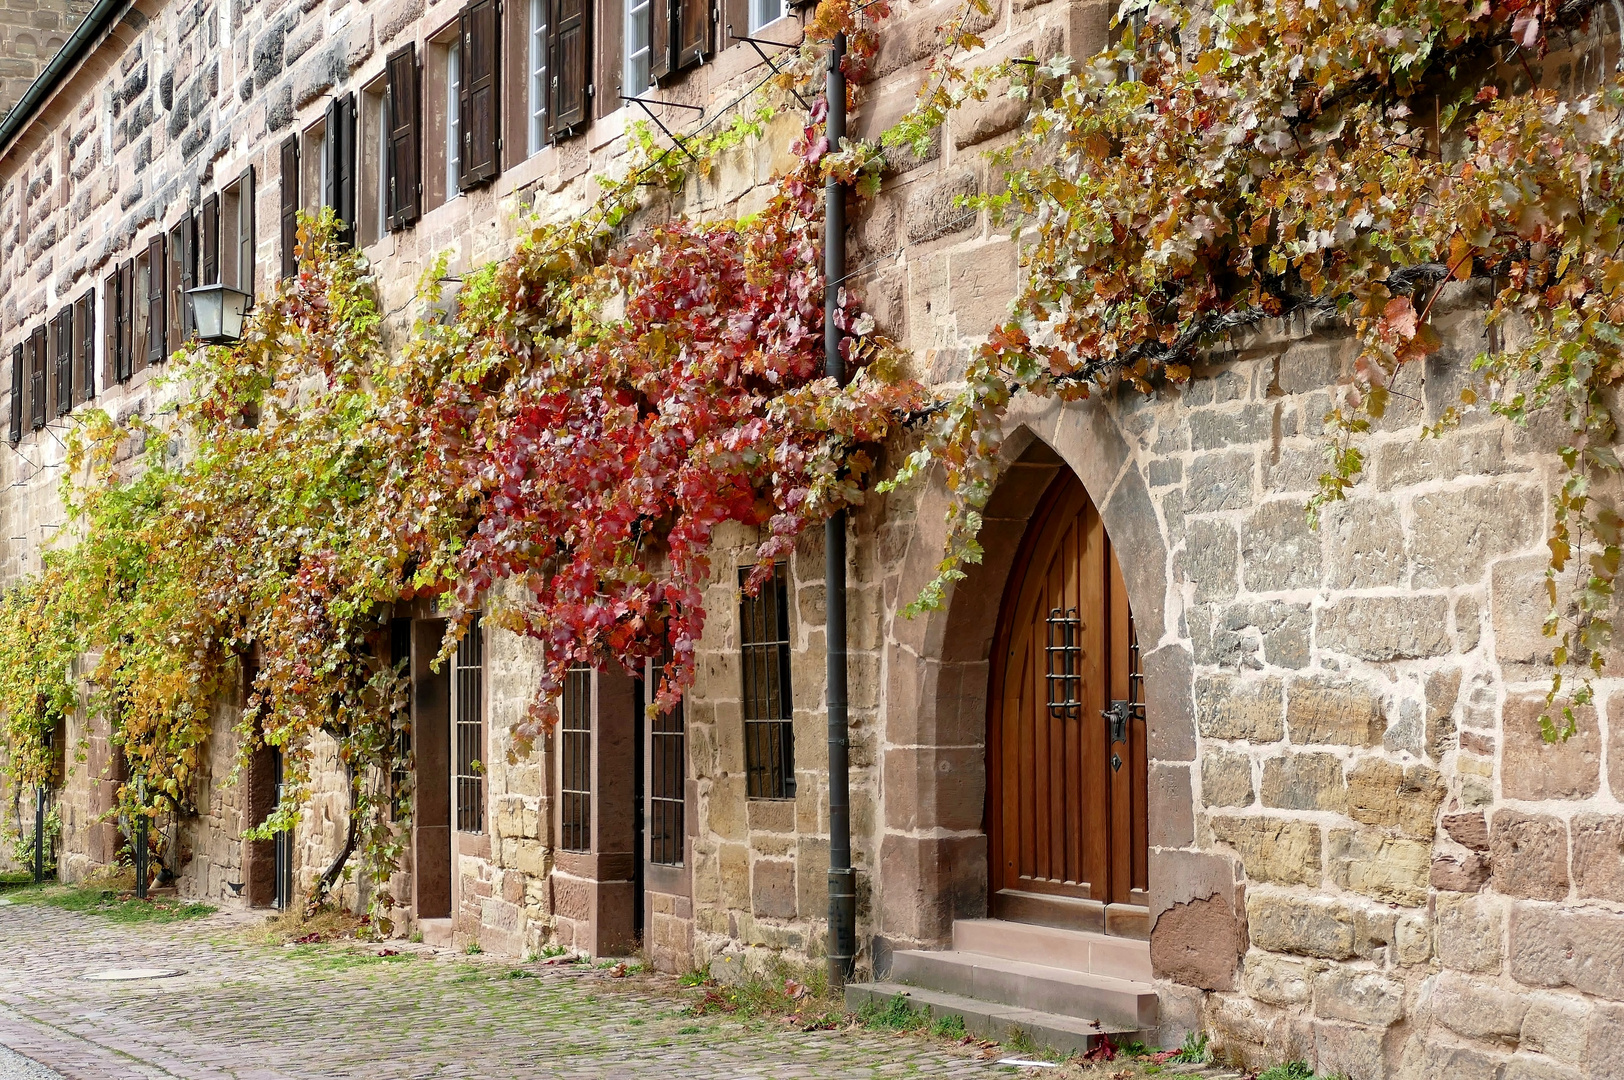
(694, 1010)
(113, 904)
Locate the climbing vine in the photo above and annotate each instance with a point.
(1252, 159)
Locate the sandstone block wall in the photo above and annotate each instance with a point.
(1362, 853)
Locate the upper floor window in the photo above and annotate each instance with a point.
(453, 118)
(764, 645)
(53, 369)
(639, 46)
(763, 12)
(373, 145)
(536, 99)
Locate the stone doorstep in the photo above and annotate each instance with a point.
(990, 1020)
(436, 932)
(1075, 950)
(1128, 1005)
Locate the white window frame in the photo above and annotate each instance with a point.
(765, 12)
(538, 76)
(453, 119)
(639, 59)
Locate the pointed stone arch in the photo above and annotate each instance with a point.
(933, 843)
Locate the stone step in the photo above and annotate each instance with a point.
(1076, 950)
(436, 932)
(1001, 1023)
(1120, 1003)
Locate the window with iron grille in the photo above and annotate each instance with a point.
(769, 740)
(467, 693)
(400, 775)
(575, 761)
(668, 769)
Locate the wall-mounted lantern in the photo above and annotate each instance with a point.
(217, 313)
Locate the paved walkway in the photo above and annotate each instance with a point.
(258, 1012)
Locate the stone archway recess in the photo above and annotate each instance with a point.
(933, 844)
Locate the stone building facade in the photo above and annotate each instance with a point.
(1355, 847)
(30, 34)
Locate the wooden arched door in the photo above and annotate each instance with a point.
(1066, 741)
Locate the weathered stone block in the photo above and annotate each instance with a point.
(1456, 535)
(1478, 1009)
(1598, 856)
(1413, 938)
(1460, 873)
(980, 121)
(1534, 769)
(1358, 995)
(1615, 745)
(1279, 551)
(1273, 849)
(934, 210)
(1211, 558)
(1385, 627)
(1384, 867)
(1229, 708)
(1350, 1050)
(1382, 792)
(981, 282)
(1364, 544)
(1220, 482)
(1307, 926)
(1470, 931)
(1555, 947)
(1226, 778)
(1528, 855)
(1212, 429)
(1441, 1060)
(1554, 1025)
(1334, 711)
(1305, 782)
(1529, 1067)
(1469, 830)
(1604, 1035)
(1278, 980)
(1198, 943)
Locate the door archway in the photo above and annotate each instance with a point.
(1066, 751)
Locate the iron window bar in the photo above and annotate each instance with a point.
(756, 44)
(668, 782)
(1064, 653)
(646, 103)
(768, 706)
(575, 761)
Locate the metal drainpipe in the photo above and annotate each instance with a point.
(842, 880)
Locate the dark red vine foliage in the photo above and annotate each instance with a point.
(609, 406)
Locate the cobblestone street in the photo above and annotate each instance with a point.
(258, 1012)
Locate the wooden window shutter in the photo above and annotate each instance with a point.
(340, 194)
(570, 30)
(84, 326)
(125, 352)
(696, 31)
(290, 206)
(662, 17)
(182, 275)
(36, 377)
(157, 301)
(16, 394)
(405, 150)
(245, 232)
(479, 119)
(112, 299)
(208, 271)
(63, 361)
